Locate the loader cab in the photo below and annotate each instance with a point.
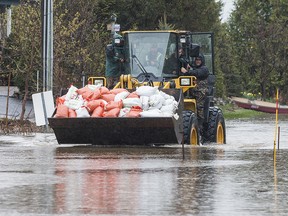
(152, 52)
(164, 47)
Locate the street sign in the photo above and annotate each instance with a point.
(43, 104)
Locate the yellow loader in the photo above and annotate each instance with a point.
(167, 77)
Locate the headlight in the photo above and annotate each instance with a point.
(99, 82)
(185, 81)
(182, 40)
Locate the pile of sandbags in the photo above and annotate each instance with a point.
(98, 101)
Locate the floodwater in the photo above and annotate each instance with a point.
(40, 177)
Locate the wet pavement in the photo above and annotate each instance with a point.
(40, 177)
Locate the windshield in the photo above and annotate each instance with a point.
(155, 52)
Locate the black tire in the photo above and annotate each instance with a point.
(190, 127)
(214, 130)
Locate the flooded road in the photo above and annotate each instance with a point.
(40, 177)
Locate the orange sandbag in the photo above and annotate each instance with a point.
(85, 92)
(62, 111)
(117, 90)
(104, 90)
(134, 112)
(108, 97)
(60, 100)
(93, 104)
(96, 94)
(112, 113)
(98, 112)
(72, 113)
(133, 95)
(114, 104)
(82, 90)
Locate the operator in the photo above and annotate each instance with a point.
(201, 72)
(114, 62)
(173, 63)
(153, 58)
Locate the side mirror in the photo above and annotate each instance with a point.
(194, 50)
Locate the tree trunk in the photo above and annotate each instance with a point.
(24, 98)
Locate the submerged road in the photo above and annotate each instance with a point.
(39, 177)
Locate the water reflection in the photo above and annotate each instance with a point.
(239, 178)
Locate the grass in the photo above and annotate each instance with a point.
(231, 111)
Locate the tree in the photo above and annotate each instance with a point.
(21, 52)
(258, 30)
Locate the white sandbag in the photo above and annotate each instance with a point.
(129, 102)
(171, 108)
(82, 112)
(167, 114)
(144, 102)
(166, 96)
(156, 101)
(71, 94)
(93, 87)
(74, 103)
(168, 101)
(151, 113)
(146, 90)
(121, 96)
(123, 112)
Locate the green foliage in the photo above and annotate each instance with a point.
(258, 31)
(80, 34)
(163, 25)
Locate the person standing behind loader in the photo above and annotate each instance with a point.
(201, 72)
(114, 61)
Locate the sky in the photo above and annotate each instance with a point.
(228, 7)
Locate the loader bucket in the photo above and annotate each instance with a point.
(121, 131)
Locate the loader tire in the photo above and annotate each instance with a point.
(214, 130)
(190, 128)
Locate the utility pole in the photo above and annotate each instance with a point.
(47, 44)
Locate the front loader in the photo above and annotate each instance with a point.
(167, 77)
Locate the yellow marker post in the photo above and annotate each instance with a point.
(276, 124)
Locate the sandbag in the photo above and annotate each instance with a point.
(120, 96)
(72, 93)
(156, 101)
(171, 108)
(118, 90)
(96, 94)
(60, 100)
(104, 90)
(93, 104)
(93, 87)
(124, 111)
(114, 104)
(129, 102)
(145, 102)
(62, 111)
(74, 103)
(98, 112)
(146, 90)
(134, 112)
(112, 113)
(166, 96)
(108, 97)
(133, 95)
(151, 113)
(72, 113)
(82, 112)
